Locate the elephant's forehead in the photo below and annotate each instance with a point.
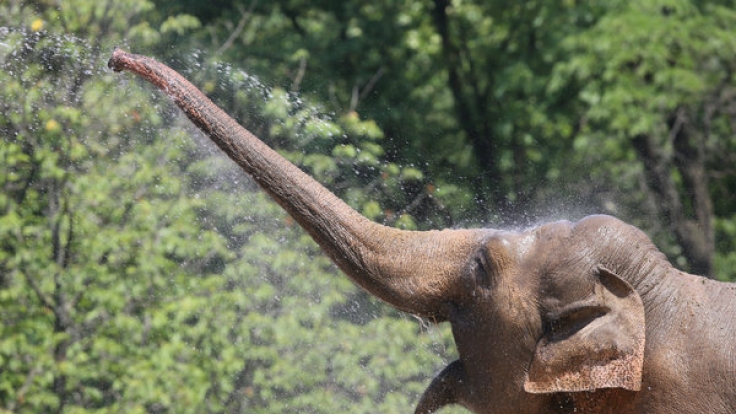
(563, 262)
(543, 245)
(550, 257)
(567, 279)
(566, 285)
(532, 241)
(523, 244)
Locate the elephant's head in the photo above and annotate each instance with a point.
(535, 313)
(545, 312)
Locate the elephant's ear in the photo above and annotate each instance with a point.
(594, 343)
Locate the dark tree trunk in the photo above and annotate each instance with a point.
(687, 209)
(469, 99)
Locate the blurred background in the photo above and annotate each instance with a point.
(142, 272)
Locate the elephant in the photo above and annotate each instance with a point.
(586, 316)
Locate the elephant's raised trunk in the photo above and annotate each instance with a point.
(413, 271)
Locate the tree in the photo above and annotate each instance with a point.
(509, 107)
(655, 78)
(140, 272)
(123, 290)
(91, 233)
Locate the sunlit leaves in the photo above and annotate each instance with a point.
(141, 272)
(640, 67)
(180, 24)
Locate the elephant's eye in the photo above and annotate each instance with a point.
(479, 270)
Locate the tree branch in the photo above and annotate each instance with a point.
(42, 297)
(238, 29)
(20, 395)
(299, 74)
(372, 83)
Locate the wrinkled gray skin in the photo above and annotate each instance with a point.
(566, 317)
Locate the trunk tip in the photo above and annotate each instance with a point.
(115, 62)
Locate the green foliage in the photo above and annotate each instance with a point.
(652, 69)
(141, 273)
(136, 275)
